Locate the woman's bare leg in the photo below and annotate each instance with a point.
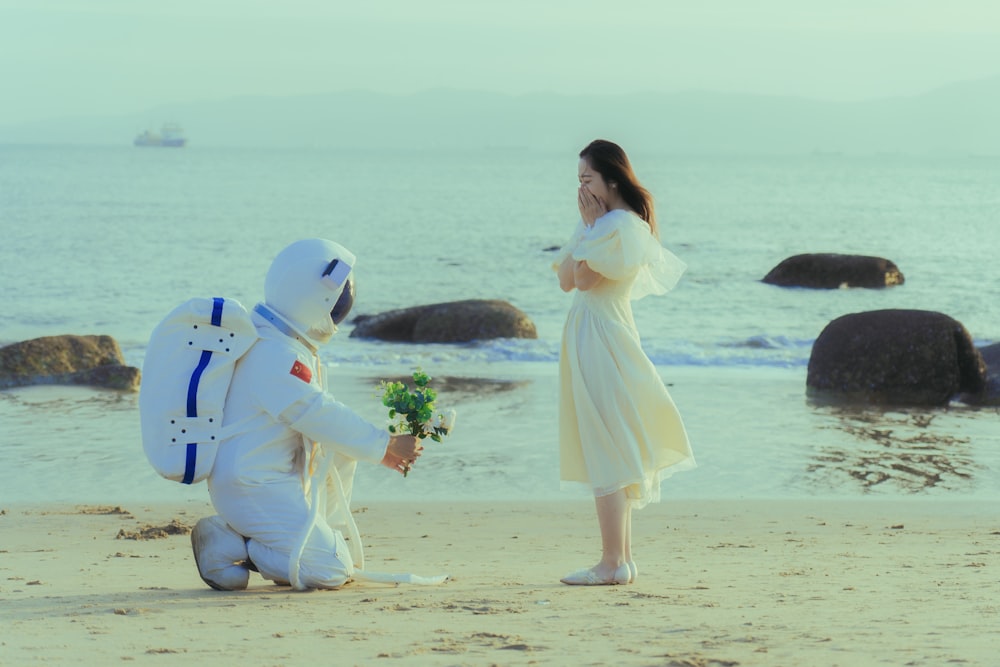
(633, 571)
(628, 533)
(612, 516)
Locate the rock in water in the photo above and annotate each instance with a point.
(84, 360)
(451, 322)
(990, 395)
(830, 271)
(895, 357)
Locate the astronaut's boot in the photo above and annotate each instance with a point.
(220, 553)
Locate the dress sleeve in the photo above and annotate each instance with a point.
(620, 246)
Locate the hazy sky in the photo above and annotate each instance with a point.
(81, 57)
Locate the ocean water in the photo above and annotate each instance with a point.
(110, 239)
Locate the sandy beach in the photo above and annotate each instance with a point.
(720, 583)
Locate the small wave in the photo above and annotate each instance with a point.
(763, 342)
(726, 360)
(783, 354)
(368, 353)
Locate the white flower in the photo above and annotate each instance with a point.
(445, 421)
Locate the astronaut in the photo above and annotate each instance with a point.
(282, 485)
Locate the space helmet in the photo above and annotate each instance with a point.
(310, 284)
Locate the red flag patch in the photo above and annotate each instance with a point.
(301, 371)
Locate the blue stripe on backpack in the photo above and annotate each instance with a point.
(186, 374)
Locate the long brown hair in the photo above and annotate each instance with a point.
(610, 161)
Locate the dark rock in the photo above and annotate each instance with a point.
(831, 271)
(990, 394)
(85, 360)
(991, 357)
(895, 357)
(451, 322)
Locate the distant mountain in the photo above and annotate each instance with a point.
(960, 118)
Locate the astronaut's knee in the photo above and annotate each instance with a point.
(328, 567)
(330, 573)
(220, 553)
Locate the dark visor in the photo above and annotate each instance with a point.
(344, 303)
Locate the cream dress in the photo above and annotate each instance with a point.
(618, 426)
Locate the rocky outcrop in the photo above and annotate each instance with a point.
(831, 271)
(895, 357)
(451, 322)
(83, 360)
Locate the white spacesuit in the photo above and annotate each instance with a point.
(282, 486)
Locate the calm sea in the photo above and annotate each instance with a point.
(109, 239)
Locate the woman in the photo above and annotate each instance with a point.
(619, 430)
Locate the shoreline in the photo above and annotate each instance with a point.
(721, 582)
(753, 433)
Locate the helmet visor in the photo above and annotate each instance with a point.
(344, 303)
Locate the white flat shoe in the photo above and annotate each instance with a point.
(589, 578)
(633, 571)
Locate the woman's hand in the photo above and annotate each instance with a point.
(566, 280)
(402, 452)
(591, 208)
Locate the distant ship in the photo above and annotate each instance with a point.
(171, 135)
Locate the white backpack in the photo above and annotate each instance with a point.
(185, 378)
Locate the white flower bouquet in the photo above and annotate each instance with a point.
(414, 412)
